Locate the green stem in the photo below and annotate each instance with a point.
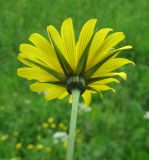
(72, 130)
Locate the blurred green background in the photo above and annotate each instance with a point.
(115, 128)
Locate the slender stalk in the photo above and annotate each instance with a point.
(72, 129)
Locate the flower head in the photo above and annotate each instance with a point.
(45, 125)
(53, 125)
(4, 137)
(39, 147)
(30, 146)
(50, 120)
(65, 144)
(18, 145)
(62, 126)
(48, 149)
(62, 63)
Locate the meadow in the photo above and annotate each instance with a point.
(114, 127)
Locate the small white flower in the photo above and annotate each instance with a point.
(60, 136)
(146, 115)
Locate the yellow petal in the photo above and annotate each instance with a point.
(41, 87)
(39, 65)
(111, 65)
(51, 91)
(85, 36)
(46, 50)
(97, 42)
(70, 99)
(113, 74)
(42, 43)
(68, 38)
(20, 57)
(100, 87)
(36, 55)
(107, 45)
(118, 51)
(87, 98)
(30, 53)
(124, 48)
(35, 74)
(55, 93)
(53, 33)
(63, 95)
(107, 80)
(112, 41)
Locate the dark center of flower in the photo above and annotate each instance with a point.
(75, 82)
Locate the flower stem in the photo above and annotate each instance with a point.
(75, 101)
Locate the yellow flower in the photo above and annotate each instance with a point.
(45, 125)
(65, 143)
(62, 126)
(53, 125)
(48, 149)
(18, 145)
(4, 137)
(30, 147)
(63, 63)
(51, 120)
(39, 147)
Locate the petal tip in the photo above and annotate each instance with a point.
(68, 19)
(91, 21)
(32, 87)
(94, 20)
(20, 47)
(130, 46)
(50, 27)
(33, 35)
(133, 63)
(113, 90)
(123, 75)
(19, 71)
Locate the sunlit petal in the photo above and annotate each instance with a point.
(87, 98)
(85, 36)
(36, 74)
(68, 38)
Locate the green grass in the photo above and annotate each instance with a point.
(115, 128)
